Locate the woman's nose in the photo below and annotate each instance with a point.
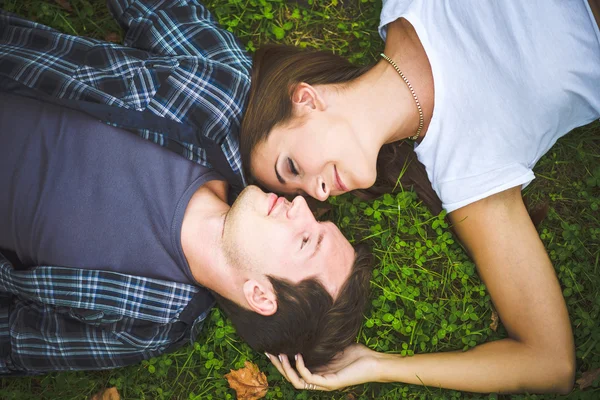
(321, 190)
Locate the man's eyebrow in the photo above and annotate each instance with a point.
(318, 246)
(279, 177)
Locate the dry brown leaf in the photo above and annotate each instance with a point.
(588, 378)
(112, 37)
(539, 213)
(65, 4)
(107, 394)
(495, 320)
(248, 382)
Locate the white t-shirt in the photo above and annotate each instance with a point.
(510, 78)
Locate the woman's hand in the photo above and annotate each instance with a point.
(355, 365)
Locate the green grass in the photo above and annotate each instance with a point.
(426, 293)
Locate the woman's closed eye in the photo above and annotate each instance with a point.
(292, 167)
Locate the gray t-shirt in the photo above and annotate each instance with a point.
(76, 192)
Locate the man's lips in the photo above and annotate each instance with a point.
(338, 181)
(272, 199)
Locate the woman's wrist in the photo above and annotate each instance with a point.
(384, 367)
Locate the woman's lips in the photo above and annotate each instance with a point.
(339, 183)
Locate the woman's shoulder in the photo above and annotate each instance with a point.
(391, 11)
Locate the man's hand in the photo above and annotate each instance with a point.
(355, 365)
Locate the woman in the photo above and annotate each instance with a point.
(485, 89)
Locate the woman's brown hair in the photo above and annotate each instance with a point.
(277, 69)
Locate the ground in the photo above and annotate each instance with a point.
(426, 293)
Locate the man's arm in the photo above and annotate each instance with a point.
(178, 28)
(100, 319)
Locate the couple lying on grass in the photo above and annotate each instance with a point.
(140, 225)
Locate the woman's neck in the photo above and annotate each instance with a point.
(387, 111)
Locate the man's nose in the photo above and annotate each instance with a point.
(300, 210)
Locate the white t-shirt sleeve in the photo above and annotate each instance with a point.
(459, 193)
(391, 11)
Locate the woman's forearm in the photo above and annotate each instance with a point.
(501, 366)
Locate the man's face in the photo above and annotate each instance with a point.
(270, 235)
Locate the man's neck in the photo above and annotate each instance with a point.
(201, 234)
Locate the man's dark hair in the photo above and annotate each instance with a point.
(307, 321)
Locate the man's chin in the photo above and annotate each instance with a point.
(250, 194)
(244, 204)
(251, 189)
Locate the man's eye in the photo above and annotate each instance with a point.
(292, 167)
(304, 241)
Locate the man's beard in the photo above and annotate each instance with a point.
(232, 226)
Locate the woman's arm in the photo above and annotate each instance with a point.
(538, 355)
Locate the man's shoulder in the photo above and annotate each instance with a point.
(201, 80)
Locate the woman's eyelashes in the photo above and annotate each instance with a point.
(292, 167)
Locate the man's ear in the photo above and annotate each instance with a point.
(260, 298)
(306, 98)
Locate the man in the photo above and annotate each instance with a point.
(141, 233)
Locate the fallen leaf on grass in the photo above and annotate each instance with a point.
(107, 394)
(65, 4)
(588, 378)
(112, 37)
(495, 320)
(248, 382)
(539, 213)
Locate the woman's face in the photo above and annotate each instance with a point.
(318, 155)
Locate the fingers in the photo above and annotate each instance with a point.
(307, 376)
(304, 372)
(277, 363)
(282, 364)
(285, 368)
(291, 374)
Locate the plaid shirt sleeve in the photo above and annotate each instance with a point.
(177, 27)
(54, 318)
(177, 64)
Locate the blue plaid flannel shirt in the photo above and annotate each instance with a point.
(176, 65)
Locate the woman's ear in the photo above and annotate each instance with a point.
(306, 98)
(260, 297)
